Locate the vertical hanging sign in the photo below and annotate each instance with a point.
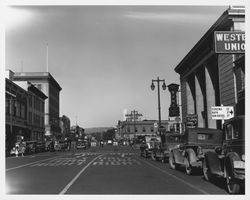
(174, 108)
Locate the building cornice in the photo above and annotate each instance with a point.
(223, 24)
(36, 76)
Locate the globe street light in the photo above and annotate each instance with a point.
(159, 103)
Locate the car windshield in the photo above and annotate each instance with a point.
(174, 139)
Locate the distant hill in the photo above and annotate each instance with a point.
(96, 130)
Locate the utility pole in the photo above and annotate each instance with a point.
(133, 116)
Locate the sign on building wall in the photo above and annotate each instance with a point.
(229, 42)
(222, 112)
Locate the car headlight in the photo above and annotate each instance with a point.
(243, 157)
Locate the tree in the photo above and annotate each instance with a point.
(109, 134)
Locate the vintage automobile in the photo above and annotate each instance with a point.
(40, 147)
(148, 144)
(31, 147)
(81, 144)
(60, 145)
(190, 153)
(162, 151)
(228, 161)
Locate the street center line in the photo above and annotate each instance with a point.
(179, 179)
(77, 176)
(20, 166)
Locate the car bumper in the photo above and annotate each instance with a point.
(196, 164)
(239, 174)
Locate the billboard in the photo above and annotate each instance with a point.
(229, 42)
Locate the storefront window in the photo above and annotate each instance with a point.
(23, 111)
(239, 26)
(17, 106)
(128, 129)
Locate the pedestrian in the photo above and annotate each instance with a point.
(69, 145)
(52, 146)
(16, 150)
(73, 146)
(22, 148)
(131, 144)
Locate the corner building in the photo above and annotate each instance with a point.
(45, 82)
(24, 112)
(210, 79)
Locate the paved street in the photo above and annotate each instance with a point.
(108, 170)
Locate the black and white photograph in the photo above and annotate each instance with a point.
(123, 100)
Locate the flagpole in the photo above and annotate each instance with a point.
(47, 57)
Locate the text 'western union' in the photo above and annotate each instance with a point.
(229, 41)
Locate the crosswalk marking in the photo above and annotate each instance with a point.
(115, 161)
(79, 158)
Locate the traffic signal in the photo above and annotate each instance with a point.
(174, 111)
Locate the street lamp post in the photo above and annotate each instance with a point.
(159, 103)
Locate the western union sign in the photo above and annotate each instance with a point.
(229, 42)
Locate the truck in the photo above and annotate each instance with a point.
(228, 160)
(162, 151)
(197, 141)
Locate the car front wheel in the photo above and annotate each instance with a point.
(206, 171)
(171, 161)
(153, 156)
(188, 167)
(232, 186)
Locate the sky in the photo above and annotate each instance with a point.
(105, 57)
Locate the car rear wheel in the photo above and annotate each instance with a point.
(188, 167)
(232, 186)
(153, 157)
(171, 161)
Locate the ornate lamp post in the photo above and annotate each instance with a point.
(159, 103)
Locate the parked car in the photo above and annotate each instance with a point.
(81, 144)
(228, 161)
(109, 142)
(49, 145)
(148, 144)
(40, 146)
(59, 145)
(190, 154)
(162, 151)
(115, 143)
(31, 147)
